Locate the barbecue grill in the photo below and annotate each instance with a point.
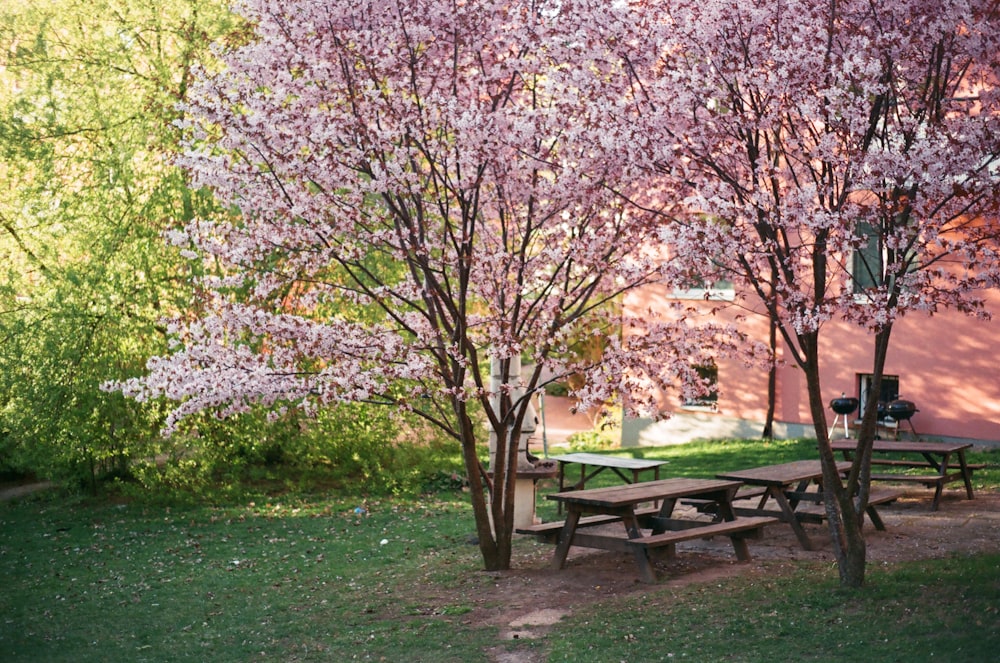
(901, 410)
(842, 407)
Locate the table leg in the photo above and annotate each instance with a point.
(801, 488)
(778, 493)
(562, 479)
(640, 553)
(646, 571)
(666, 509)
(741, 548)
(936, 502)
(656, 477)
(565, 539)
(724, 505)
(940, 467)
(939, 487)
(874, 516)
(966, 473)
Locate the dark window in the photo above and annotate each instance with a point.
(709, 375)
(867, 263)
(886, 393)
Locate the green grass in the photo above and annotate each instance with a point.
(269, 581)
(942, 610)
(306, 578)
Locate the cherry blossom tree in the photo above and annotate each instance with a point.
(841, 161)
(421, 188)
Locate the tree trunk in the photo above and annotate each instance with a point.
(846, 501)
(844, 516)
(772, 380)
(489, 546)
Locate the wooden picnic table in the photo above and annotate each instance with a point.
(938, 457)
(620, 504)
(600, 463)
(791, 485)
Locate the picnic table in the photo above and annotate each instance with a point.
(790, 486)
(588, 508)
(601, 463)
(936, 457)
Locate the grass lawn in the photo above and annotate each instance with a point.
(271, 581)
(942, 610)
(340, 578)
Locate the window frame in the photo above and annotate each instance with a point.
(709, 402)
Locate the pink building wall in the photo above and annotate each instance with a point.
(947, 365)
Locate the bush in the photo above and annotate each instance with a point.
(591, 440)
(362, 447)
(557, 389)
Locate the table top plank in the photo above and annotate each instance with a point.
(781, 474)
(902, 446)
(646, 491)
(608, 461)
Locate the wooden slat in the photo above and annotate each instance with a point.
(556, 526)
(928, 479)
(903, 447)
(877, 497)
(647, 491)
(608, 461)
(918, 463)
(784, 473)
(726, 527)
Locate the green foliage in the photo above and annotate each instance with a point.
(87, 96)
(591, 440)
(353, 446)
(557, 389)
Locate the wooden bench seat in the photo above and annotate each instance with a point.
(750, 492)
(926, 479)
(883, 496)
(816, 513)
(740, 528)
(550, 531)
(916, 463)
(744, 493)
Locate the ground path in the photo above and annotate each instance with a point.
(536, 597)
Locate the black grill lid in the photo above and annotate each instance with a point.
(901, 409)
(844, 405)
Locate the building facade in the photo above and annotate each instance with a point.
(946, 364)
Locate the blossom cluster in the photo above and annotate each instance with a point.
(423, 184)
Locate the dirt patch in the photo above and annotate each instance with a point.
(10, 492)
(536, 597)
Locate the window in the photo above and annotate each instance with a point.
(709, 375)
(869, 263)
(720, 290)
(887, 392)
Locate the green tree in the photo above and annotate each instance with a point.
(88, 98)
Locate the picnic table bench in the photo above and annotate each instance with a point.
(935, 456)
(588, 508)
(794, 485)
(601, 463)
